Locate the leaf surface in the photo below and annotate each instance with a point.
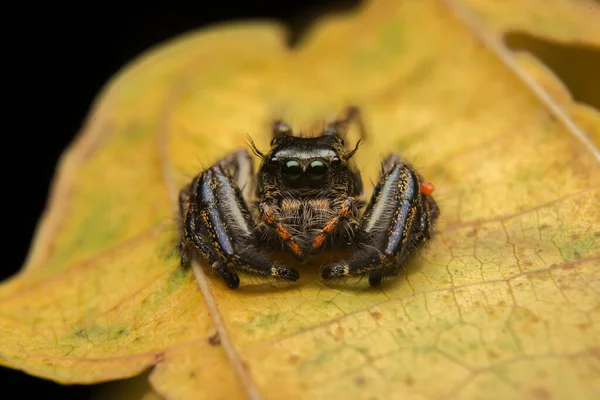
(570, 23)
(504, 302)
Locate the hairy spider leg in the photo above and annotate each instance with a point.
(184, 248)
(271, 219)
(219, 224)
(397, 220)
(428, 212)
(343, 214)
(341, 125)
(280, 128)
(223, 201)
(240, 166)
(195, 234)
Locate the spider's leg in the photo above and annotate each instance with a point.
(240, 166)
(279, 128)
(398, 219)
(271, 218)
(219, 225)
(184, 245)
(196, 235)
(345, 212)
(226, 211)
(341, 125)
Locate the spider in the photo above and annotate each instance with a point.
(305, 199)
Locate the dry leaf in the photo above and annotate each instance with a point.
(505, 302)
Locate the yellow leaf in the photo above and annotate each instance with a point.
(505, 301)
(566, 21)
(562, 21)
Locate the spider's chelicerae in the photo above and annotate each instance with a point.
(305, 199)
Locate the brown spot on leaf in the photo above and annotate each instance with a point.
(409, 381)
(540, 393)
(376, 315)
(471, 233)
(359, 380)
(338, 335)
(583, 327)
(293, 359)
(214, 339)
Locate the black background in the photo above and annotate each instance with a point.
(55, 60)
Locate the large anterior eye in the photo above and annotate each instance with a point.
(316, 169)
(292, 169)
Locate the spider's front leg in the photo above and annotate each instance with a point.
(397, 221)
(219, 226)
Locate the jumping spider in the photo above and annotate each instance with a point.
(307, 191)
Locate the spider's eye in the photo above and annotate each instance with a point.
(316, 169)
(292, 169)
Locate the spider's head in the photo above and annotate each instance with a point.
(307, 162)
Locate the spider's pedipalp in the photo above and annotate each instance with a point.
(343, 214)
(271, 219)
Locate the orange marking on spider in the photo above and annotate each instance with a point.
(319, 240)
(426, 188)
(295, 248)
(283, 232)
(268, 218)
(280, 229)
(331, 225)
